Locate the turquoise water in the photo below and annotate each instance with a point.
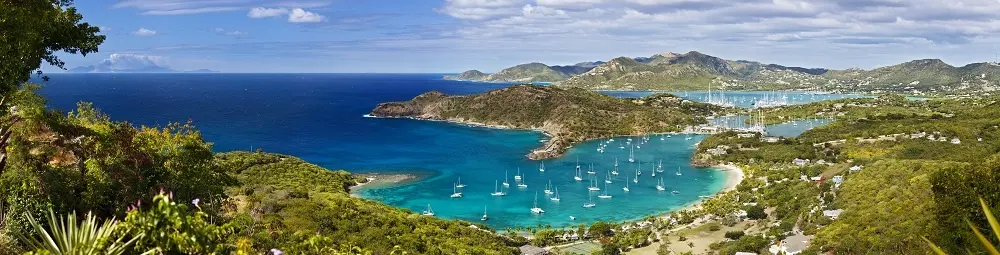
(786, 129)
(486, 163)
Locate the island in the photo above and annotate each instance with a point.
(567, 116)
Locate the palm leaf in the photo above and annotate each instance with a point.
(982, 238)
(937, 250)
(991, 218)
(68, 236)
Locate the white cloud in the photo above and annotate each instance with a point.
(187, 7)
(298, 15)
(262, 12)
(144, 32)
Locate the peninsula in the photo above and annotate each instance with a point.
(568, 116)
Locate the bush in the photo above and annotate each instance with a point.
(714, 227)
(733, 235)
(756, 212)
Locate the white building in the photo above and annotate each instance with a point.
(833, 214)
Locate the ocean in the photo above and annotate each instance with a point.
(319, 118)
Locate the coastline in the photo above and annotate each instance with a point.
(383, 180)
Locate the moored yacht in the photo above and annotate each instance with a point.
(535, 209)
(429, 211)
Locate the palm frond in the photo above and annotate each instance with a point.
(991, 218)
(68, 236)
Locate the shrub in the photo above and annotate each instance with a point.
(733, 235)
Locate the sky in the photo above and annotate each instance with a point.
(450, 36)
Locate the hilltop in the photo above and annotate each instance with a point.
(567, 115)
(698, 71)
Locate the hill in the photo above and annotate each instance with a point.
(568, 115)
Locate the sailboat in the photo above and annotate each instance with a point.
(678, 171)
(659, 168)
(615, 172)
(455, 193)
(535, 209)
(688, 137)
(636, 179)
(577, 164)
(659, 185)
(548, 188)
(460, 185)
(505, 183)
(589, 203)
(541, 167)
(631, 154)
(428, 212)
(639, 170)
(555, 198)
(518, 176)
(608, 178)
(484, 218)
(605, 195)
(497, 192)
(593, 185)
(654, 173)
(661, 137)
(522, 184)
(626, 187)
(591, 169)
(577, 176)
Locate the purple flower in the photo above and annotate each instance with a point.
(277, 252)
(195, 201)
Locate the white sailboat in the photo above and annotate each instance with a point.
(639, 170)
(654, 173)
(541, 167)
(505, 183)
(608, 178)
(460, 185)
(678, 171)
(631, 154)
(522, 185)
(484, 218)
(626, 187)
(497, 192)
(659, 185)
(577, 164)
(518, 176)
(548, 188)
(429, 211)
(605, 195)
(593, 185)
(589, 203)
(659, 167)
(577, 177)
(455, 193)
(636, 179)
(555, 198)
(535, 209)
(591, 170)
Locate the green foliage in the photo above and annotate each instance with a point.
(756, 212)
(747, 243)
(268, 214)
(33, 31)
(954, 191)
(600, 229)
(71, 237)
(734, 235)
(167, 227)
(886, 209)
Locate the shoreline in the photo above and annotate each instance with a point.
(553, 147)
(383, 180)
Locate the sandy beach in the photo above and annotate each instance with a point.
(734, 176)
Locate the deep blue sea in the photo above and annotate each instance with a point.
(318, 117)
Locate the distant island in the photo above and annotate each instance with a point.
(697, 71)
(568, 116)
(131, 63)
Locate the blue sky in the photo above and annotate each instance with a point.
(442, 36)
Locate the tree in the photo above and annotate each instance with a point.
(756, 212)
(34, 30)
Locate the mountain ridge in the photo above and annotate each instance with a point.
(699, 71)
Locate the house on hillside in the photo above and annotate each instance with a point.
(833, 214)
(800, 162)
(771, 139)
(956, 141)
(855, 168)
